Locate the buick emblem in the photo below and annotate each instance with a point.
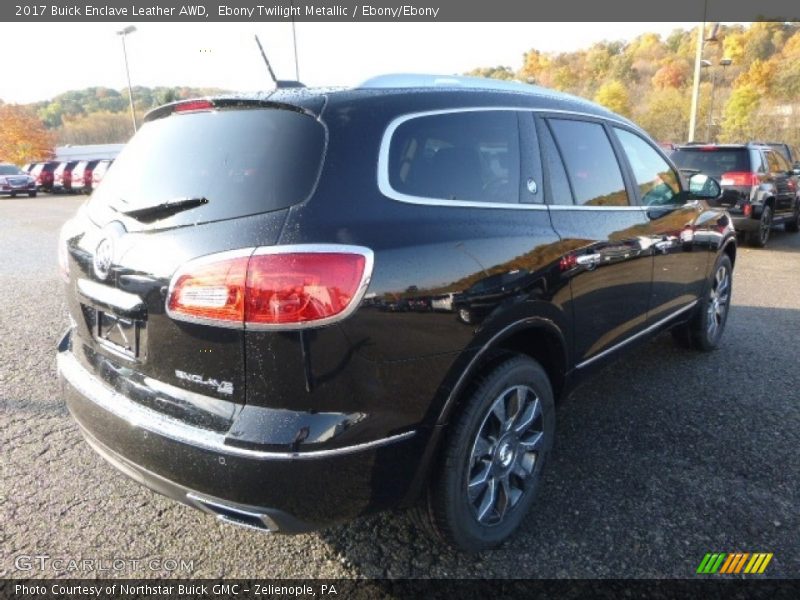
(103, 256)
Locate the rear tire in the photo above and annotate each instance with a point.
(793, 226)
(760, 236)
(704, 331)
(492, 458)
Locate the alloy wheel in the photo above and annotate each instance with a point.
(719, 300)
(765, 225)
(504, 454)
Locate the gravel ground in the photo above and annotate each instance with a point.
(665, 456)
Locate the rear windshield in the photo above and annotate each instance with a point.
(713, 162)
(242, 162)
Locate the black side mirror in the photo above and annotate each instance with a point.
(704, 187)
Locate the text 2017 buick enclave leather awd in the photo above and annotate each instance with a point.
(294, 309)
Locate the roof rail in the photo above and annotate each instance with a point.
(418, 80)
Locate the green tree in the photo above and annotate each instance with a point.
(740, 114)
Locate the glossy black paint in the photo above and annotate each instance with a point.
(399, 363)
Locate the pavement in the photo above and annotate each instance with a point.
(666, 455)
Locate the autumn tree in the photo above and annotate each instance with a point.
(504, 73)
(24, 137)
(740, 113)
(614, 96)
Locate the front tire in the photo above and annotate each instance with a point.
(493, 457)
(705, 329)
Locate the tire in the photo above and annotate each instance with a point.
(498, 452)
(704, 331)
(13, 194)
(793, 226)
(760, 236)
(31, 194)
(465, 315)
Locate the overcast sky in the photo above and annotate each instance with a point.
(41, 60)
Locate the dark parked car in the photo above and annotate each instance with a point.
(229, 345)
(788, 152)
(82, 176)
(14, 180)
(62, 176)
(43, 172)
(759, 187)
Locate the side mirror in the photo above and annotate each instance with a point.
(704, 187)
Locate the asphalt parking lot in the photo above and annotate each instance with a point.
(665, 456)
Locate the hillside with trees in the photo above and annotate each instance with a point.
(649, 80)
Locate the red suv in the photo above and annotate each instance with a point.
(62, 176)
(43, 174)
(82, 176)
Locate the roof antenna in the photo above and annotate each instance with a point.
(294, 41)
(279, 83)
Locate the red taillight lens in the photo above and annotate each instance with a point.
(740, 178)
(193, 106)
(747, 209)
(280, 288)
(301, 287)
(210, 290)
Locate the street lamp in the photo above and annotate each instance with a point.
(724, 62)
(122, 33)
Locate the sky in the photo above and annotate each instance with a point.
(224, 55)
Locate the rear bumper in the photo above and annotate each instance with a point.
(287, 492)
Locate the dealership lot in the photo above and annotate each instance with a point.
(665, 456)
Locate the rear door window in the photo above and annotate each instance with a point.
(470, 156)
(658, 183)
(590, 161)
(242, 161)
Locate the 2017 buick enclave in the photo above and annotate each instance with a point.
(230, 344)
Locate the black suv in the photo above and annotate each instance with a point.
(232, 343)
(759, 186)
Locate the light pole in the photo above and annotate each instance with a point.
(698, 65)
(122, 33)
(724, 62)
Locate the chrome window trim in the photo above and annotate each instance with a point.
(387, 190)
(109, 296)
(635, 336)
(145, 418)
(366, 277)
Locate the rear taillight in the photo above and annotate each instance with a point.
(286, 287)
(193, 106)
(740, 178)
(747, 209)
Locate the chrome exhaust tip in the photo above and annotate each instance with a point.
(233, 515)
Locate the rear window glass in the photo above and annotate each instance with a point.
(713, 162)
(472, 156)
(242, 161)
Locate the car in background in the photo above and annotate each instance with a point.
(28, 166)
(62, 176)
(82, 176)
(100, 171)
(14, 180)
(759, 187)
(42, 172)
(788, 152)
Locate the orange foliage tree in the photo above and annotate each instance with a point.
(23, 137)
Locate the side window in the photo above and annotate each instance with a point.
(658, 183)
(470, 156)
(783, 164)
(557, 175)
(590, 161)
(772, 161)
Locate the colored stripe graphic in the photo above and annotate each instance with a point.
(711, 563)
(758, 563)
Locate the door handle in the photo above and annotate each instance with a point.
(588, 260)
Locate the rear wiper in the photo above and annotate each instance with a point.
(148, 214)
